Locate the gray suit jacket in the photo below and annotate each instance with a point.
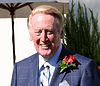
(26, 72)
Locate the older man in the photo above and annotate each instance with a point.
(53, 64)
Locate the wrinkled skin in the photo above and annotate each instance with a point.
(45, 34)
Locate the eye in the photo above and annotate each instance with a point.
(38, 32)
(49, 32)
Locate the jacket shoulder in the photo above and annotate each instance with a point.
(27, 61)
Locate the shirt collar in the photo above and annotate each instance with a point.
(53, 60)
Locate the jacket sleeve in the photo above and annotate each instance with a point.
(14, 76)
(90, 75)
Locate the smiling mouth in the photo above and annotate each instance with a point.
(44, 46)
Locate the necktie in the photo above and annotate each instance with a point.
(45, 76)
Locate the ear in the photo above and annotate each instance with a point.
(62, 33)
(30, 35)
(30, 38)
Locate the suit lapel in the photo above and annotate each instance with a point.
(34, 79)
(57, 76)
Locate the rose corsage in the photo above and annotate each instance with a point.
(68, 62)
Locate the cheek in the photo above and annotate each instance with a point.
(35, 39)
(54, 39)
(36, 43)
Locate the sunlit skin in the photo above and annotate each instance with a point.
(45, 34)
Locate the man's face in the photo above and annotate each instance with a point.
(45, 34)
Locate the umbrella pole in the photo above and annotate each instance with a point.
(13, 37)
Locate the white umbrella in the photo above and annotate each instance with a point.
(22, 8)
(20, 1)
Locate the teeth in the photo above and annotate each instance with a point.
(45, 46)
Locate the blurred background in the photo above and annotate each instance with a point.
(22, 45)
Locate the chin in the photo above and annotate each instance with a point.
(46, 53)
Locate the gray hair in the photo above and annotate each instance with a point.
(47, 9)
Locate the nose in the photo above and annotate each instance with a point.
(43, 36)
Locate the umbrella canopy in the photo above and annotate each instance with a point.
(22, 8)
(20, 1)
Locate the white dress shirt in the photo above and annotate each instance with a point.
(51, 63)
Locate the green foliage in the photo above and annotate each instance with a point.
(81, 32)
(65, 65)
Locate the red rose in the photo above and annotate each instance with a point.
(68, 62)
(71, 59)
(65, 59)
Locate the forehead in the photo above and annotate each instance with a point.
(42, 20)
(42, 16)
